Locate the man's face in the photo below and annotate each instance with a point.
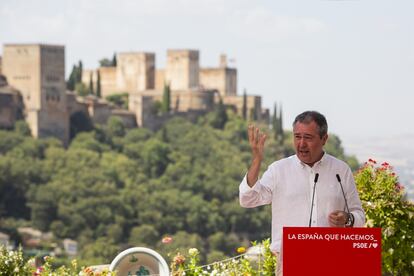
(308, 143)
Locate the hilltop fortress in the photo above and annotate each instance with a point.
(33, 87)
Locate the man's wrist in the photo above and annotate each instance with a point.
(350, 220)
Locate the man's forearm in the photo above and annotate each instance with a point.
(253, 173)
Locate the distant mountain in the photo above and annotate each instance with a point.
(397, 150)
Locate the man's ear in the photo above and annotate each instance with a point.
(324, 139)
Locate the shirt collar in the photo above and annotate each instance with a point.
(319, 163)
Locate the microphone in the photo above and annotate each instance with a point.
(313, 197)
(343, 193)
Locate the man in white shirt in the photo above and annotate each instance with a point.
(293, 184)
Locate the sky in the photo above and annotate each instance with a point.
(352, 60)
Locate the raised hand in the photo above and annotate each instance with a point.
(256, 140)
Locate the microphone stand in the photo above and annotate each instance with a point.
(313, 197)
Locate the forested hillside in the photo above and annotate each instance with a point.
(114, 188)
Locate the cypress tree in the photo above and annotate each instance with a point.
(166, 99)
(98, 84)
(275, 123)
(79, 72)
(114, 60)
(280, 125)
(90, 84)
(244, 108)
(220, 116)
(70, 84)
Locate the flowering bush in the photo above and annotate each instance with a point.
(240, 265)
(12, 263)
(385, 205)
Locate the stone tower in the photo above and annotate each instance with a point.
(135, 71)
(38, 72)
(222, 78)
(182, 70)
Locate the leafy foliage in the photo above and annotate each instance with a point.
(13, 263)
(386, 207)
(75, 77)
(119, 100)
(166, 99)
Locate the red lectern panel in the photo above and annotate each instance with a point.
(331, 251)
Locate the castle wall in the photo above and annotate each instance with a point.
(53, 123)
(159, 79)
(21, 66)
(135, 71)
(74, 104)
(38, 72)
(182, 101)
(128, 118)
(182, 70)
(185, 100)
(97, 109)
(253, 104)
(108, 81)
(99, 113)
(11, 107)
(223, 80)
(265, 117)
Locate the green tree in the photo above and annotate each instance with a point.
(275, 123)
(43, 207)
(119, 100)
(81, 89)
(166, 99)
(79, 71)
(218, 118)
(79, 122)
(22, 128)
(75, 77)
(105, 62)
(114, 62)
(244, 107)
(143, 235)
(99, 252)
(137, 135)
(91, 90)
(98, 84)
(9, 140)
(71, 82)
(155, 156)
(87, 140)
(280, 125)
(115, 127)
(253, 114)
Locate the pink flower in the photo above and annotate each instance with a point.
(38, 271)
(167, 240)
(372, 161)
(385, 164)
(399, 187)
(179, 259)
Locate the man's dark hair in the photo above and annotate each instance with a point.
(308, 116)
